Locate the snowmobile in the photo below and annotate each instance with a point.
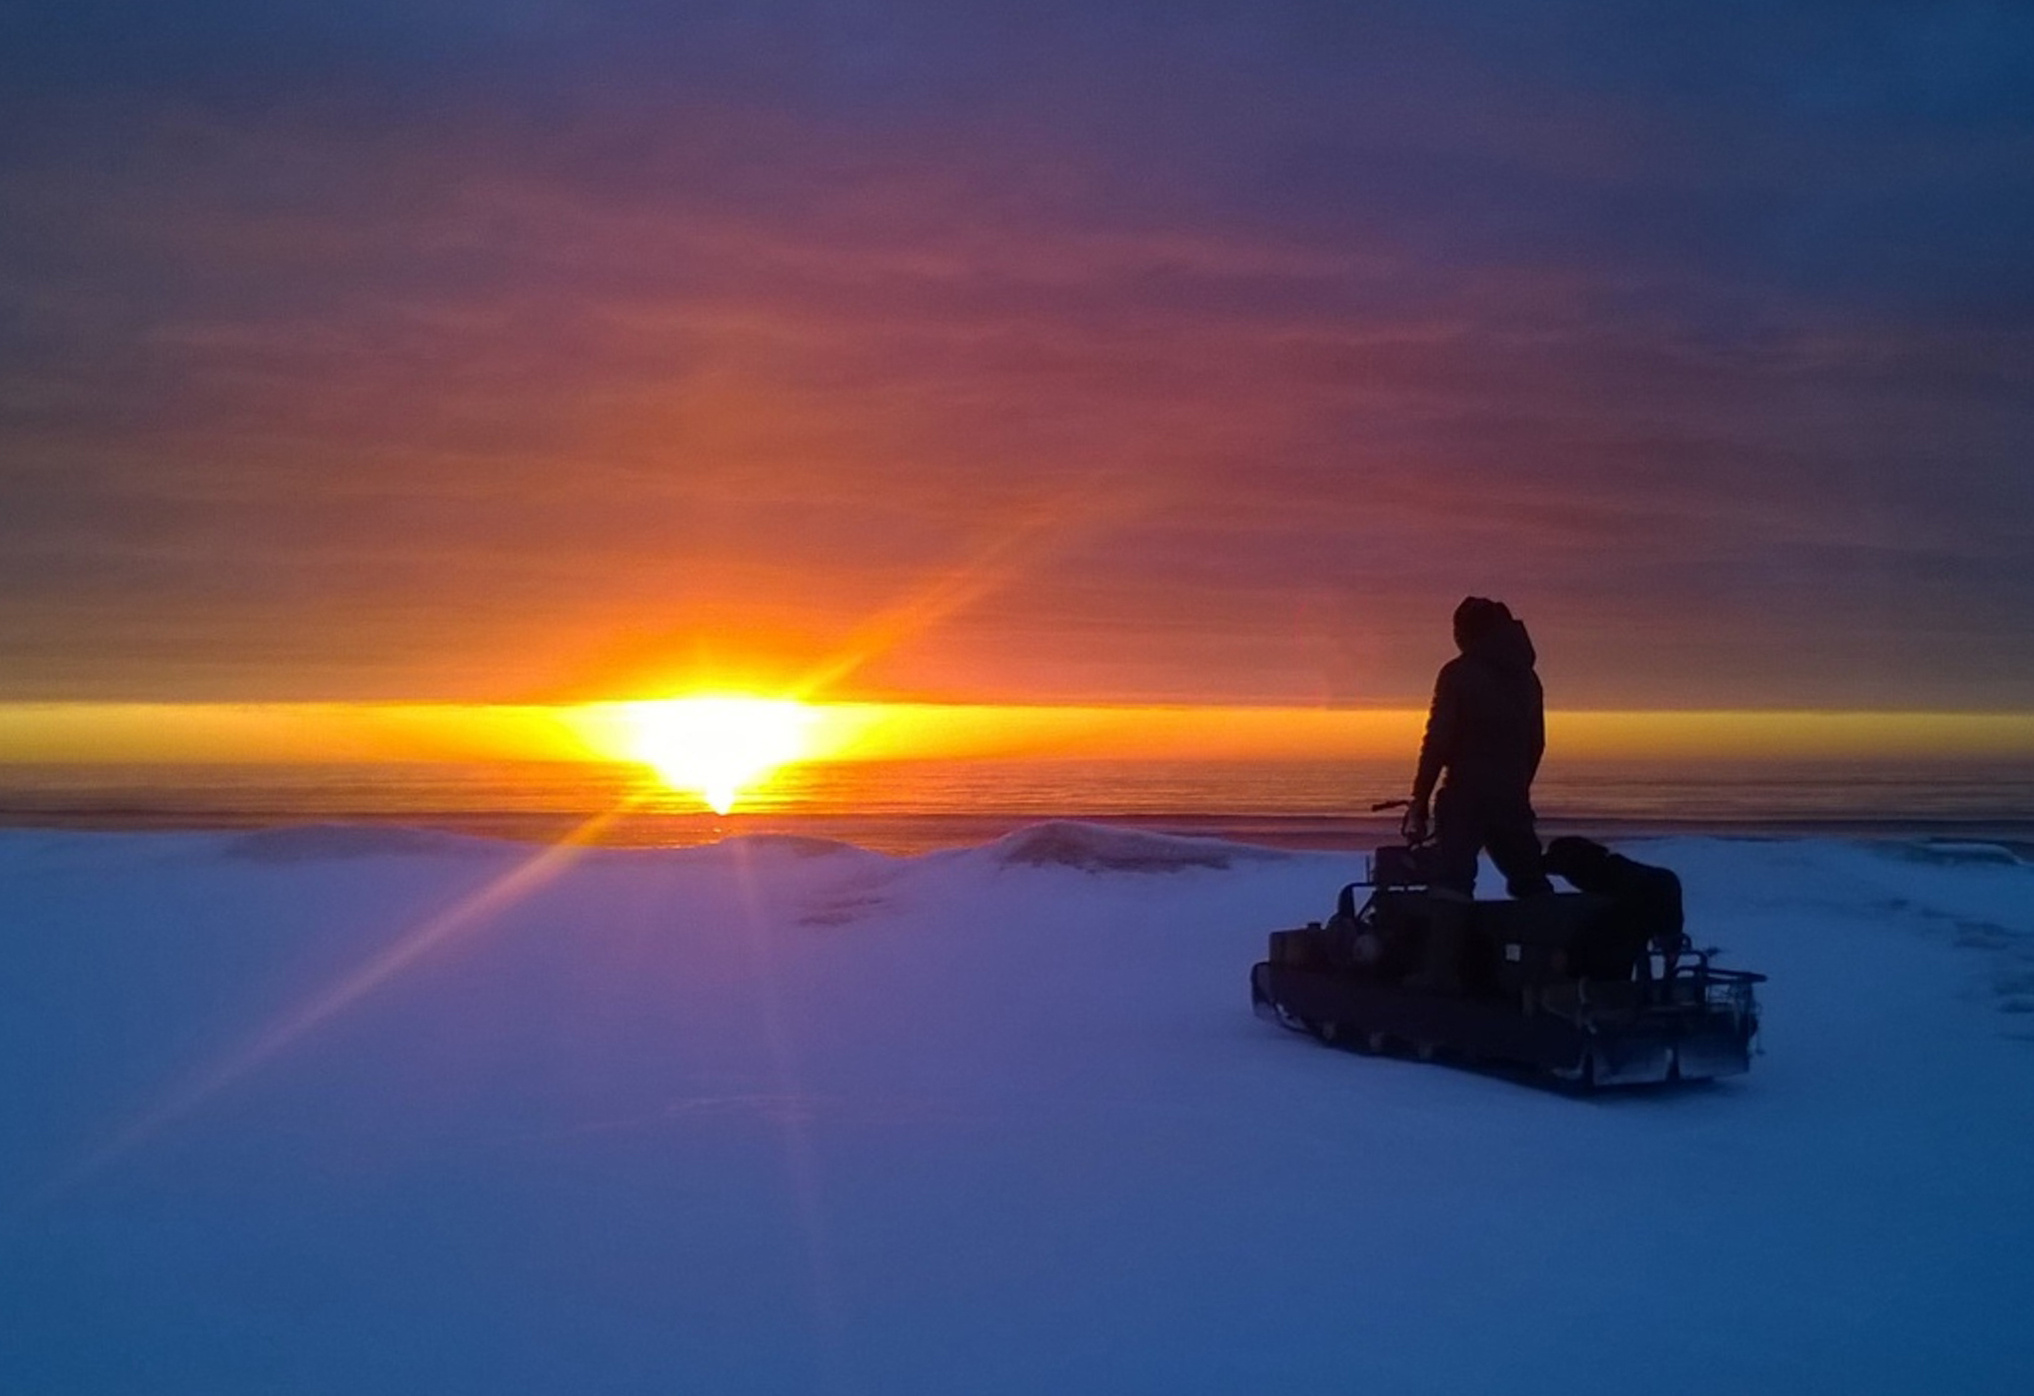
(1576, 989)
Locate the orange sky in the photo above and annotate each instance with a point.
(378, 732)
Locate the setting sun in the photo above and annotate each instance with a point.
(717, 746)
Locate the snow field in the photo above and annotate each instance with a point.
(781, 1117)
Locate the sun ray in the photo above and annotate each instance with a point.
(469, 914)
(1028, 545)
(801, 1158)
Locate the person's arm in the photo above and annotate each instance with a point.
(1437, 748)
(1537, 733)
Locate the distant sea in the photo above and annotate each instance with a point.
(917, 806)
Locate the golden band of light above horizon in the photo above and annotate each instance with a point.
(107, 733)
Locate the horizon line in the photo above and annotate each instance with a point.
(100, 732)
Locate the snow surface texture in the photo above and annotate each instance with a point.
(333, 1111)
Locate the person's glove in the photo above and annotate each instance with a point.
(1413, 828)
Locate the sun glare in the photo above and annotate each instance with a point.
(718, 747)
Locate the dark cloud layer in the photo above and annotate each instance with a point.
(512, 351)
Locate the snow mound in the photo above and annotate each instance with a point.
(787, 848)
(307, 843)
(1953, 852)
(1098, 848)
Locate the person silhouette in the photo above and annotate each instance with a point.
(1486, 732)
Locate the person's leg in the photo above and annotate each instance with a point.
(1451, 891)
(1515, 848)
(1458, 837)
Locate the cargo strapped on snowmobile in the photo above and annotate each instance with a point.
(1568, 985)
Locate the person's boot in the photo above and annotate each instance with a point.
(1448, 913)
